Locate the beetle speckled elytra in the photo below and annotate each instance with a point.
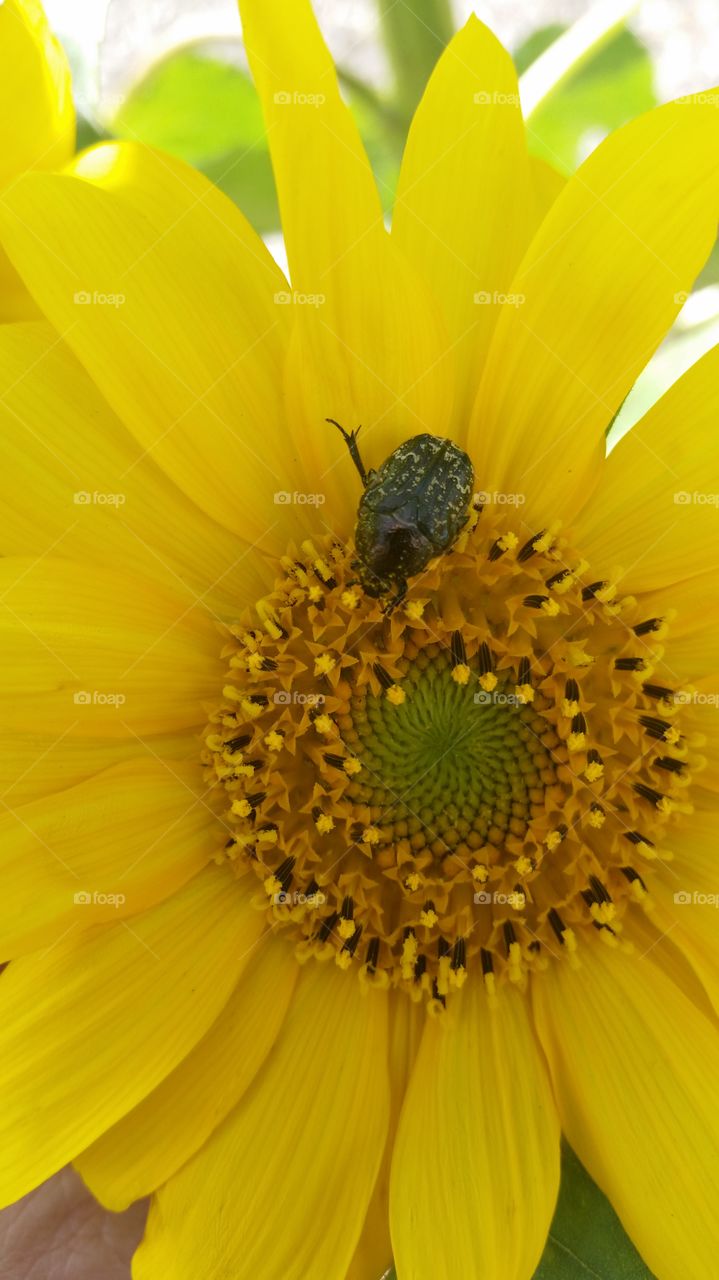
(413, 508)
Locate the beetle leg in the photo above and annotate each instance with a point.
(350, 439)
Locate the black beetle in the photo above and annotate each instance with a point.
(413, 508)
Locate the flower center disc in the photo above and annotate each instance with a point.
(478, 781)
(449, 764)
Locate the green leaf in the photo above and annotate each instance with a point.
(207, 112)
(192, 105)
(586, 1239)
(245, 175)
(612, 86)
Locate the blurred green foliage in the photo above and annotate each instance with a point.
(613, 86)
(204, 108)
(415, 32)
(207, 112)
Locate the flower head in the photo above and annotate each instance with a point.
(328, 910)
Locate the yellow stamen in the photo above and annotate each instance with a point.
(371, 835)
(324, 664)
(593, 771)
(324, 725)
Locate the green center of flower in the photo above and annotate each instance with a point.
(452, 762)
(480, 782)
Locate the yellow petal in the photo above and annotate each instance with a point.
(107, 848)
(36, 96)
(385, 365)
(328, 198)
(88, 1029)
(35, 92)
(655, 511)
(149, 1144)
(686, 892)
(656, 931)
(476, 1165)
(638, 1108)
(87, 651)
(95, 496)
(282, 1186)
(599, 286)
(369, 347)
(373, 1255)
(166, 295)
(547, 185)
(463, 212)
(36, 764)
(15, 301)
(696, 941)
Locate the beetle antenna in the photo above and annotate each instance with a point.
(350, 439)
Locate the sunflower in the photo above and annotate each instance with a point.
(326, 917)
